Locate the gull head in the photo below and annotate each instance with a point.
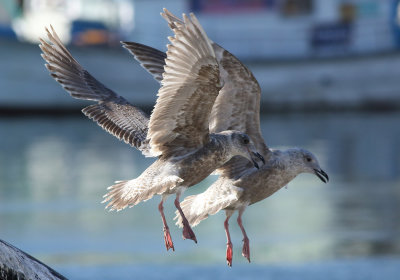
(242, 145)
(305, 162)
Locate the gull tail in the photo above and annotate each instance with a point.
(131, 192)
(218, 196)
(196, 209)
(192, 218)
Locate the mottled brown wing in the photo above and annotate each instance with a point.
(237, 106)
(153, 61)
(190, 85)
(113, 112)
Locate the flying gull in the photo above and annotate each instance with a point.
(236, 107)
(177, 131)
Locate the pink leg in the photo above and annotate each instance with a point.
(229, 246)
(167, 235)
(187, 232)
(246, 246)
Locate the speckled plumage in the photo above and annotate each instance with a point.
(236, 107)
(168, 175)
(254, 185)
(177, 131)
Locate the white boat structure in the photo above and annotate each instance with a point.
(336, 54)
(80, 22)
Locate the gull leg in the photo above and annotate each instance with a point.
(229, 246)
(187, 232)
(167, 236)
(246, 245)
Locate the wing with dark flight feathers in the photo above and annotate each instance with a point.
(112, 112)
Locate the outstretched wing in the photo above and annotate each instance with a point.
(237, 106)
(112, 112)
(180, 120)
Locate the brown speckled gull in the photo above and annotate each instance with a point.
(178, 129)
(236, 107)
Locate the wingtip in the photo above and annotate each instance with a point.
(165, 11)
(42, 43)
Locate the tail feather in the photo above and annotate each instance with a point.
(196, 209)
(131, 192)
(220, 195)
(127, 193)
(186, 208)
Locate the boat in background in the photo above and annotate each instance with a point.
(94, 22)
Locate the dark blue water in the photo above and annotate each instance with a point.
(54, 172)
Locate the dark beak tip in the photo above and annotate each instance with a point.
(259, 156)
(256, 165)
(322, 175)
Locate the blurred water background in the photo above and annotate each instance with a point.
(341, 103)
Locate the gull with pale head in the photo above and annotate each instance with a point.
(177, 132)
(236, 107)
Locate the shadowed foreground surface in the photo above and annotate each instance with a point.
(16, 264)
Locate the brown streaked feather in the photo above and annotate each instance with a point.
(113, 113)
(190, 85)
(122, 120)
(238, 105)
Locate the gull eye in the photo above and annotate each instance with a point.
(308, 159)
(246, 140)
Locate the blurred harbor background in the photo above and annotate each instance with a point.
(329, 72)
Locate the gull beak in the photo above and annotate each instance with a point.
(322, 175)
(256, 156)
(259, 156)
